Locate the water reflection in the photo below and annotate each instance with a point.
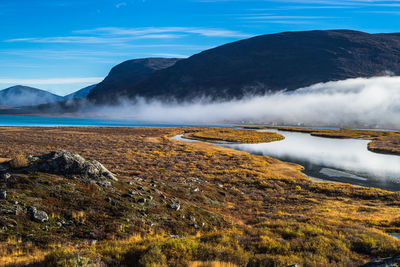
(342, 160)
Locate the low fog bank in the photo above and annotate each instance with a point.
(372, 103)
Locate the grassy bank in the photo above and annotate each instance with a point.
(232, 135)
(235, 208)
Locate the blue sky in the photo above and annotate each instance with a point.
(64, 45)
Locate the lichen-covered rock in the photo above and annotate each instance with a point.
(38, 215)
(175, 205)
(70, 164)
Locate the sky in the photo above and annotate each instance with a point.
(64, 45)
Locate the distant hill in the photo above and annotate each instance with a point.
(267, 63)
(125, 75)
(82, 93)
(19, 95)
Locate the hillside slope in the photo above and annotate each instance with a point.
(274, 62)
(82, 93)
(26, 96)
(127, 74)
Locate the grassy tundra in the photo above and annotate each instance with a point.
(236, 209)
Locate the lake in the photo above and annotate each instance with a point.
(17, 120)
(338, 160)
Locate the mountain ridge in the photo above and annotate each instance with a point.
(19, 95)
(270, 63)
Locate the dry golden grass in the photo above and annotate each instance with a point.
(211, 264)
(233, 135)
(19, 161)
(386, 145)
(257, 210)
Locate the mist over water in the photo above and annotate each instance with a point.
(361, 102)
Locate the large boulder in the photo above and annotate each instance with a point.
(70, 164)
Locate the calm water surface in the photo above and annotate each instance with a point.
(339, 160)
(15, 120)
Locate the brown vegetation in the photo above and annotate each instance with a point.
(19, 161)
(232, 135)
(236, 208)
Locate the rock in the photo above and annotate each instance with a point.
(31, 209)
(71, 164)
(196, 189)
(2, 169)
(40, 216)
(5, 176)
(3, 194)
(141, 201)
(192, 218)
(16, 210)
(175, 205)
(103, 183)
(395, 261)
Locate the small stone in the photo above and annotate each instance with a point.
(137, 179)
(196, 189)
(192, 218)
(175, 205)
(3, 194)
(17, 210)
(143, 212)
(158, 191)
(40, 216)
(5, 176)
(103, 183)
(150, 197)
(59, 224)
(130, 183)
(141, 201)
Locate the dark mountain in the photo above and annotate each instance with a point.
(82, 93)
(125, 75)
(19, 95)
(266, 63)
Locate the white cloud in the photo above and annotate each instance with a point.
(373, 102)
(121, 4)
(208, 32)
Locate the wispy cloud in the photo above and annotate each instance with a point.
(121, 4)
(51, 80)
(269, 17)
(115, 35)
(207, 32)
